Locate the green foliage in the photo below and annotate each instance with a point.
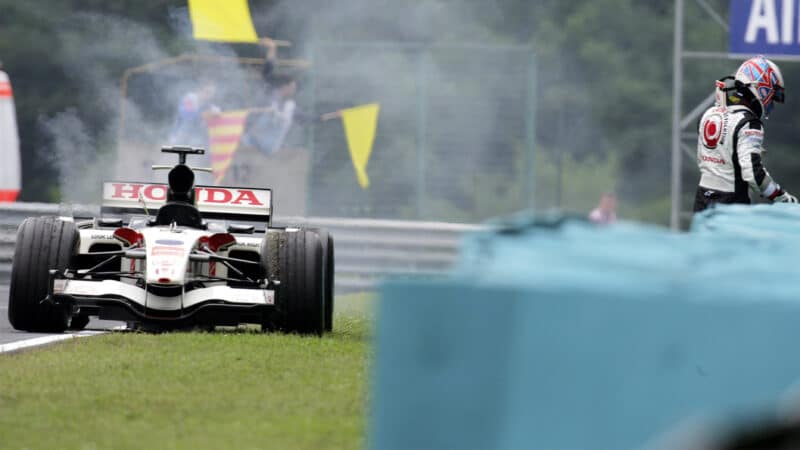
(43, 46)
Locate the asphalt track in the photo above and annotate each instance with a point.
(8, 334)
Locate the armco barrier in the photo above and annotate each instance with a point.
(366, 250)
(565, 335)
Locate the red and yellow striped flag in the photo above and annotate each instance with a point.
(224, 132)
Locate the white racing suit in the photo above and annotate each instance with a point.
(729, 150)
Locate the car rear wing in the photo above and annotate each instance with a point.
(213, 202)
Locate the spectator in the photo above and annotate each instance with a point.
(268, 127)
(270, 57)
(190, 127)
(606, 212)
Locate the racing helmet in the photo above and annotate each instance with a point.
(764, 80)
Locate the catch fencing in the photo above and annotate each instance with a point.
(455, 139)
(366, 250)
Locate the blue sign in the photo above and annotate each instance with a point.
(768, 27)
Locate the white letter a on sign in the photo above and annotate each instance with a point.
(763, 15)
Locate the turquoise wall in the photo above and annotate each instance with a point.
(562, 335)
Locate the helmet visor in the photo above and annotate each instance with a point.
(780, 94)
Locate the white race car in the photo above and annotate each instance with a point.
(208, 256)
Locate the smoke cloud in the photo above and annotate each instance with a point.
(87, 144)
(456, 101)
(451, 141)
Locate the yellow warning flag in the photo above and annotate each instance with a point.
(360, 124)
(222, 20)
(224, 133)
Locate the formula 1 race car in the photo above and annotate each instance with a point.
(209, 256)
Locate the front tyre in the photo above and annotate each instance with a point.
(43, 243)
(78, 322)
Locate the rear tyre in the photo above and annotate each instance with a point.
(328, 264)
(301, 294)
(43, 243)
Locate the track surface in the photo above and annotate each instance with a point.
(9, 334)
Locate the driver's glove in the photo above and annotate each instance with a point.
(786, 198)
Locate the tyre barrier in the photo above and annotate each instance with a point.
(563, 335)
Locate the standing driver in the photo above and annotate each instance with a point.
(731, 136)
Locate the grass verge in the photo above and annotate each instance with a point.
(192, 390)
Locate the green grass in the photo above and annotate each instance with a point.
(234, 389)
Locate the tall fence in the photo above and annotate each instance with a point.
(366, 250)
(455, 139)
(455, 136)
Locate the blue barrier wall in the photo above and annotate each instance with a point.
(570, 336)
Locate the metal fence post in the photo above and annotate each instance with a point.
(677, 92)
(311, 135)
(530, 134)
(422, 128)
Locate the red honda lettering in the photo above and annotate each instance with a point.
(155, 192)
(121, 190)
(248, 196)
(218, 195)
